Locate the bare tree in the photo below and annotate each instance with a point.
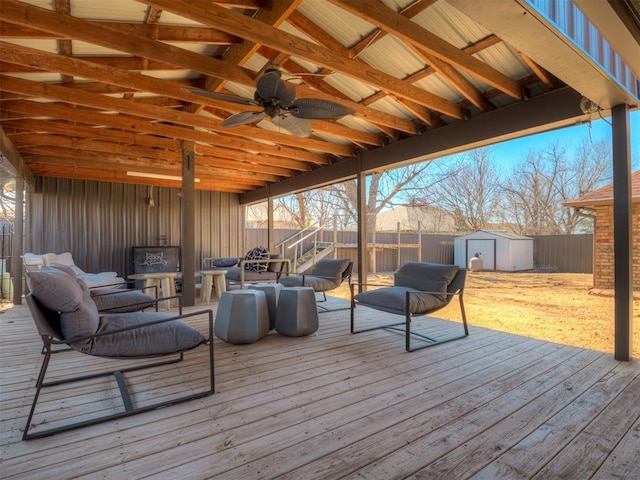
(588, 170)
(536, 189)
(383, 190)
(469, 189)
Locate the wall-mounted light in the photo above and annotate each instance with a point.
(158, 176)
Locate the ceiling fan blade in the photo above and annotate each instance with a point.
(296, 126)
(316, 108)
(222, 96)
(270, 85)
(243, 118)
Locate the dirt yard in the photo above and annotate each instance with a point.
(557, 307)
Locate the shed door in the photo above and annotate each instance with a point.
(487, 249)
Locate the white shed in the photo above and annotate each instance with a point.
(498, 250)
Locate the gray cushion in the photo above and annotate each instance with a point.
(224, 262)
(82, 321)
(427, 277)
(55, 289)
(160, 339)
(275, 266)
(331, 267)
(111, 300)
(65, 268)
(233, 274)
(393, 300)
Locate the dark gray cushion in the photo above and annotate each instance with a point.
(164, 338)
(331, 267)
(427, 277)
(110, 300)
(319, 284)
(55, 289)
(393, 300)
(224, 262)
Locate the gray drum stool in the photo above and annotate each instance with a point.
(297, 312)
(243, 316)
(271, 291)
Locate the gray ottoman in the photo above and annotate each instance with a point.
(242, 316)
(271, 291)
(297, 312)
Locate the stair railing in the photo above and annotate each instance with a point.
(298, 238)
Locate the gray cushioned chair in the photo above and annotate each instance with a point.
(328, 274)
(418, 289)
(65, 313)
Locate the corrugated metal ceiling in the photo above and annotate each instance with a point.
(441, 83)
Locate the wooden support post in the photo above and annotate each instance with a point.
(187, 235)
(16, 262)
(419, 241)
(335, 236)
(362, 224)
(398, 246)
(270, 232)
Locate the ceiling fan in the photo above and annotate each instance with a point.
(278, 101)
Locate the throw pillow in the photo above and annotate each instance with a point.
(258, 253)
(55, 289)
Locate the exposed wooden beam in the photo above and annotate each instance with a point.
(64, 94)
(163, 33)
(224, 19)
(410, 32)
(29, 109)
(96, 174)
(377, 35)
(239, 54)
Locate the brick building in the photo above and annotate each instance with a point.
(600, 204)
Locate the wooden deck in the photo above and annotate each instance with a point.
(335, 405)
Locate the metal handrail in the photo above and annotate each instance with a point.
(315, 232)
(293, 235)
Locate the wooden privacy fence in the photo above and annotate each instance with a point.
(551, 253)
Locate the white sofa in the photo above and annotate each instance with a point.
(93, 280)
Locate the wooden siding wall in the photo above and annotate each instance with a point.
(99, 222)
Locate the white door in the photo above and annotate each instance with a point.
(487, 250)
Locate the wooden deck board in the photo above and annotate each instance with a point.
(336, 405)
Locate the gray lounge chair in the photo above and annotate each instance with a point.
(64, 313)
(418, 289)
(328, 274)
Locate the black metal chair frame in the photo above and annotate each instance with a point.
(455, 288)
(51, 337)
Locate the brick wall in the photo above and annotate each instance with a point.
(603, 255)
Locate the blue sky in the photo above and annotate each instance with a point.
(515, 150)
